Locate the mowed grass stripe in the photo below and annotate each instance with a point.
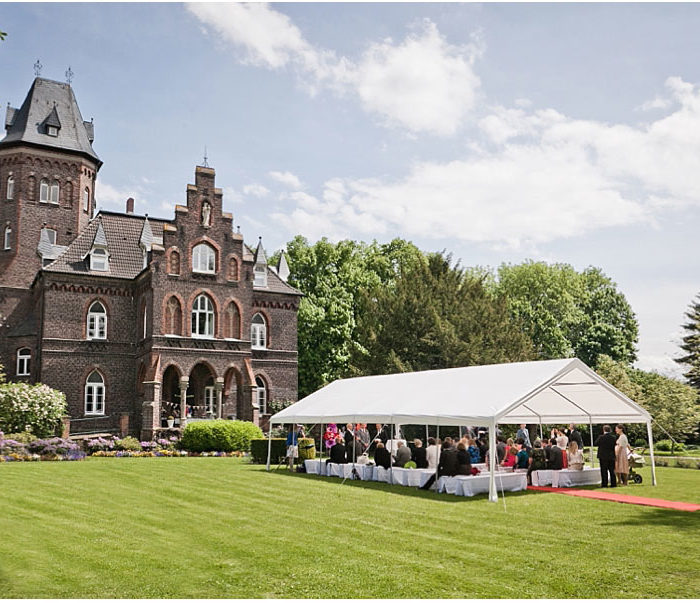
(217, 527)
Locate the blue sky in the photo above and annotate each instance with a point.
(500, 132)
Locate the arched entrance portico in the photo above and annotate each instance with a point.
(203, 393)
(170, 395)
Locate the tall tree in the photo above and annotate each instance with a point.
(567, 313)
(691, 344)
(435, 316)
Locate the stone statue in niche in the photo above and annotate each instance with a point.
(206, 213)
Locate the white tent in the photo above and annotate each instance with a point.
(545, 392)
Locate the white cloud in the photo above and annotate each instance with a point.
(539, 176)
(114, 198)
(423, 84)
(255, 190)
(286, 178)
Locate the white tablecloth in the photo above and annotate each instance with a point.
(542, 477)
(391, 445)
(470, 485)
(311, 466)
(412, 477)
(569, 478)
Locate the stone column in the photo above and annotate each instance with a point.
(219, 389)
(184, 383)
(150, 412)
(249, 404)
(65, 426)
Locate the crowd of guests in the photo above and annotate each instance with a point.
(449, 457)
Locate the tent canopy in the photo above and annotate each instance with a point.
(546, 391)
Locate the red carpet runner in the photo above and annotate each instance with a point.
(621, 498)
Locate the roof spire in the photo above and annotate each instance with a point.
(69, 75)
(37, 68)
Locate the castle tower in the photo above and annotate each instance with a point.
(47, 180)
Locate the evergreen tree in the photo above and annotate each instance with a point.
(691, 344)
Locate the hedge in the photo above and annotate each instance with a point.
(219, 435)
(258, 450)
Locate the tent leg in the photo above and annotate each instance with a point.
(391, 455)
(320, 450)
(354, 439)
(591, 428)
(651, 453)
(269, 445)
(493, 494)
(541, 438)
(427, 435)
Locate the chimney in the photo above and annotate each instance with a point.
(130, 205)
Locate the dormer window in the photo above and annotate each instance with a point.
(260, 272)
(52, 130)
(99, 260)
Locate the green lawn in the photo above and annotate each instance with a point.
(219, 527)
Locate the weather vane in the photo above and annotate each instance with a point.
(37, 68)
(205, 164)
(69, 75)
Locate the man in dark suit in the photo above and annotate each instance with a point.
(419, 455)
(448, 459)
(382, 457)
(606, 457)
(556, 456)
(338, 452)
(574, 435)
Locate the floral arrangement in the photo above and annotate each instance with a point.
(330, 435)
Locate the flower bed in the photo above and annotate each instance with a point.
(157, 453)
(50, 449)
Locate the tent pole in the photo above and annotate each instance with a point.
(541, 438)
(651, 453)
(493, 495)
(269, 444)
(320, 448)
(427, 435)
(354, 439)
(591, 428)
(391, 455)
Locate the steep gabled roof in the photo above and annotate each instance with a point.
(146, 238)
(260, 257)
(50, 103)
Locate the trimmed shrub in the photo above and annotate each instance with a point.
(666, 445)
(640, 443)
(307, 449)
(35, 408)
(127, 443)
(219, 435)
(258, 450)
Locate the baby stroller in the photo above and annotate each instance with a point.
(636, 460)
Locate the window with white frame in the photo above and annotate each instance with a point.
(99, 260)
(261, 394)
(53, 198)
(51, 233)
(260, 274)
(204, 258)
(44, 191)
(258, 332)
(86, 199)
(97, 321)
(95, 394)
(209, 399)
(24, 356)
(202, 317)
(8, 238)
(10, 189)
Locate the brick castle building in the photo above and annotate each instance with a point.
(136, 319)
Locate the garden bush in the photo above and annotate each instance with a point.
(307, 449)
(127, 443)
(219, 435)
(35, 408)
(99, 444)
(258, 450)
(665, 446)
(640, 443)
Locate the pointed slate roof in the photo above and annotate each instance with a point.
(260, 257)
(146, 238)
(50, 103)
(100, 239)
(283, 267)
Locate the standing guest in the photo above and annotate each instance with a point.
(464, 466)
(606, 457)
(363, 435)
(474, 453)
(574, 456)
(382, 433)
(338, 452)
(562, 440)
(403, 454)
(500, 448)
(523, 456)
(483, 446)
(511, 457)
(622, 466)
(382, 457)
(293, 444)
(419, 455)
(538, 460)
(448, 459)
(432, 453)
(525, 435)
(556, 456)
(574, 435)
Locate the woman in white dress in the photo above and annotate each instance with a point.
(622, 466)
(432, 454)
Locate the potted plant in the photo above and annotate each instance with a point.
(171, 422)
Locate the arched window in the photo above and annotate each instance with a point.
(261, 395)
(232, 322)
(202, 317)
(203, 258)
(258, 332)
(10, 190)
(97, 321)
(174, 267)
(8, 237)
(44, 191)
(98, 260)
(232, 269)
(53, 198)
(24, 356)
(86, 199)
(173, 317)
(94, 394)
